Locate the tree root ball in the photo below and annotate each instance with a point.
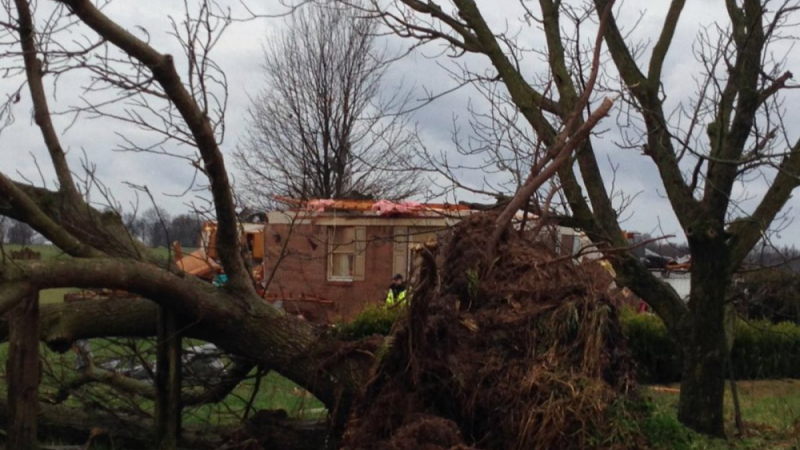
(518, 352)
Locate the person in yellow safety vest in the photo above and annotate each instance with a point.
(397, 291)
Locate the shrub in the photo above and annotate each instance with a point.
(656, 356)
(766, 350)
(371, 321)
(761, 349)
(773, 295)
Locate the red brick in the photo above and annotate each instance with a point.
(302, 270)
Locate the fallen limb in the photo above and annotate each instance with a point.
(61, 324)
(76, 426)
(329, 362)
(71, 426)
(192, 396)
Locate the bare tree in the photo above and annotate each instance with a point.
(326, 125)
(731, 132)
(157, 221)
(157, 228)
(20, 233)
(185, 229)
(136, 226)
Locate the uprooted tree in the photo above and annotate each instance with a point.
(734, 130)
(185, 109)
(731, 130)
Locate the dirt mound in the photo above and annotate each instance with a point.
(518, 351)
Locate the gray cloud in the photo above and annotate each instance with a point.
(239, 53)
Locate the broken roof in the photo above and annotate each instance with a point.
(403, 208)
(199, 264)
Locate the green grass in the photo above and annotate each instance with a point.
(53, 252)
(47, 251)
(274, 391)
(53, 295)
(770, 411)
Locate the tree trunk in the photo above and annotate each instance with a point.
(704, 342)
(247, 336)
(168, 381)
(69, 425)
(23, 373)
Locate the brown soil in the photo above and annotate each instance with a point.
(521, 352)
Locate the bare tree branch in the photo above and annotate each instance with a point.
(164, 72)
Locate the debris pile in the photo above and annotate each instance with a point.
(519, 351)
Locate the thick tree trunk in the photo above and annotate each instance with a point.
(328, 368)
(23, 373)
(704, 342)
(70, 425)
(168, 381)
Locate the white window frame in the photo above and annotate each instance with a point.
(358, 252)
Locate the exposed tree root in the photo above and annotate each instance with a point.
(518, 352)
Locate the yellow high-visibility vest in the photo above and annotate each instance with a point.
(391, 300)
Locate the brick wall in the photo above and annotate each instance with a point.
(303, 268)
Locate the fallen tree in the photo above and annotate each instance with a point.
(104, 255)
(74, 426)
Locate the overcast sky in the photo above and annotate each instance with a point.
(239, 53)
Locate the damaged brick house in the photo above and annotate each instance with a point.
(347, 251)
(328, 259)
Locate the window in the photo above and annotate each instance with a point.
(346, 253)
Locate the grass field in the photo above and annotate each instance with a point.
(770, 412)
(273, 391)
(47, 251)
(53, 252)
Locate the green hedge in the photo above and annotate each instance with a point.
(373, 320)
(761, 349)
(769, 294)
(656, 355)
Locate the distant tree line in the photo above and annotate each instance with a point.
(157, 228)
(18, 233)
(767, 255)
